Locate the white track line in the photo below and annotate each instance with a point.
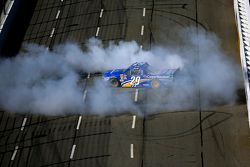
(72, 151)
(136, 95)
(101, 13)
(58, 13)
(133, 122)
(79, 122)
(14, 153)
(144, 12)
(52, 33)
(142, 29)
(97, 31)
(23, 124)
(131, 150)
(85, 91)
(84, 95)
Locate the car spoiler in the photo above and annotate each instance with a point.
(171, 72)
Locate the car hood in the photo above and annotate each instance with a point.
(111, 73)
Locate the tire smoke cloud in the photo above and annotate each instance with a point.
(42, 81)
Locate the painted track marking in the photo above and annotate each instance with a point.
(142, 29)
(52, 33)
(58, 13)
(101, 13)
(85, 95)
(136, 95)
(79, 122)
(97, 31)
(131, 150)
(72, 151)
(133, 122)
(23, 124)
(14, 153)
(144, 12)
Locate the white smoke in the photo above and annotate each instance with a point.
(43, 81)
(38, 81)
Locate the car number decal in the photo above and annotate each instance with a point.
(135, 80)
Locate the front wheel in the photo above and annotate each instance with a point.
(155, 83)
(114, 82)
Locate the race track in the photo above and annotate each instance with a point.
(216, 136)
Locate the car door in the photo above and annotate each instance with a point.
(125, 79)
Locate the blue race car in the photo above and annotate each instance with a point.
(139, 75)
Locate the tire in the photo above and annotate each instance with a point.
(114, 82)
(155, 83)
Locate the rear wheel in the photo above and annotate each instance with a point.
(114, 82)
(155, 83)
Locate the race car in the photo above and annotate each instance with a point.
(139, 75)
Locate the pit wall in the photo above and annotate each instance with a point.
(241, 8)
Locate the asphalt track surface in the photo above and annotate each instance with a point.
(203, 138)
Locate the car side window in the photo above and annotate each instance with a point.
(136, 71)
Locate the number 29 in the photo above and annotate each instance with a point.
(135, 80)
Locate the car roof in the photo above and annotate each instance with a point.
(139, 65)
